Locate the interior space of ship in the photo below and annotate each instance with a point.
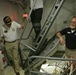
(37, 36)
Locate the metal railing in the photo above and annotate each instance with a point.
(49, 58)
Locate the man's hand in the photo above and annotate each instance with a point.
(61, 40)
(25, 16)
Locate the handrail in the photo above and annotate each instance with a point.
(47, 19)
(21, 55)
(28, 46)
(50, 58)
(22, 35)
(28, 35)
(27, 22)
(48, 49)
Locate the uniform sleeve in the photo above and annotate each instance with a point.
(17, 24)
(64, 31)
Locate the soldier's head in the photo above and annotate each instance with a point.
(7, 20)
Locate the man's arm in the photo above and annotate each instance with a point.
(23, 21)
(2, 37)
(59, 35)
(60, 38)
(25, 16)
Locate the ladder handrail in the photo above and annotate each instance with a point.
(22, 35)
(28, 35)
(28, 47)
(27, 22)
(47, 50)
(49, 58)
(48, 15)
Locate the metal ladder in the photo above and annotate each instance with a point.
(48, 23)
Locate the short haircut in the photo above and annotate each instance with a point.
(73, 17)
(6, 19)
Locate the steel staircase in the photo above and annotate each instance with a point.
(47, 26)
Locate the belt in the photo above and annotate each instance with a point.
(10, 41)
